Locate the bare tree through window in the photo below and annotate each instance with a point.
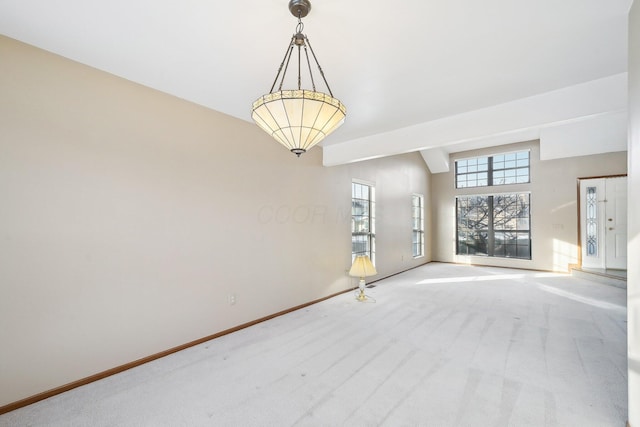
(496, 225)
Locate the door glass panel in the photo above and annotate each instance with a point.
(592, 222)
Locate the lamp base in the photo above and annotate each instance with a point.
(361, 295)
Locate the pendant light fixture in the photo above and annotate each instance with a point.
(298, 118)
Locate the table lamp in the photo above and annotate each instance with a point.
(362, 267)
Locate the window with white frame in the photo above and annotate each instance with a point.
(363, 220)
(417, 219)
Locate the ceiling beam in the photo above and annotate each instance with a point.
(520, 120)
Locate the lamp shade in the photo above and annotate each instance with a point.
(298, 119)
(362, 267)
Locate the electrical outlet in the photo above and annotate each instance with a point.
(232, 299)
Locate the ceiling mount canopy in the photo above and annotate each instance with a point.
(300, 8)
(298, 118)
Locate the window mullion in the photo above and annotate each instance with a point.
(490, 171)
(490, 231)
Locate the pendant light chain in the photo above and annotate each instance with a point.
(286, 67)
(302, 41)
(299, 73)
(319, 67)
(287, 55)
(306, 54)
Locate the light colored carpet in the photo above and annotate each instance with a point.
(443, 345)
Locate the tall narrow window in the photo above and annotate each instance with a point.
(417, 213)
(511, 229)
(363, 220)
(473, 225)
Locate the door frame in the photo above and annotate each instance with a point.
(579, 207)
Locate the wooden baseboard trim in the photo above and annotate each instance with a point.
(377, 279)
(104, 374)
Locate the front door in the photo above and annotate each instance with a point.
(603, 219)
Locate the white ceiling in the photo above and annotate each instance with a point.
(400, 67)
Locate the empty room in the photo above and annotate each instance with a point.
(317, 213)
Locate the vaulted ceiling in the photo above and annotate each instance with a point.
(419, 75)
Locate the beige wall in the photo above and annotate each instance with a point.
(633, 278)
(128, 217)
(554, 214)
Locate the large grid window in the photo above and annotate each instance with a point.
(497, 225)
(500, 169)
(363, 220)
(417, 216)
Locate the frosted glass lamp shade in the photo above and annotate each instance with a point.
(298, 119)
(362, 267)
